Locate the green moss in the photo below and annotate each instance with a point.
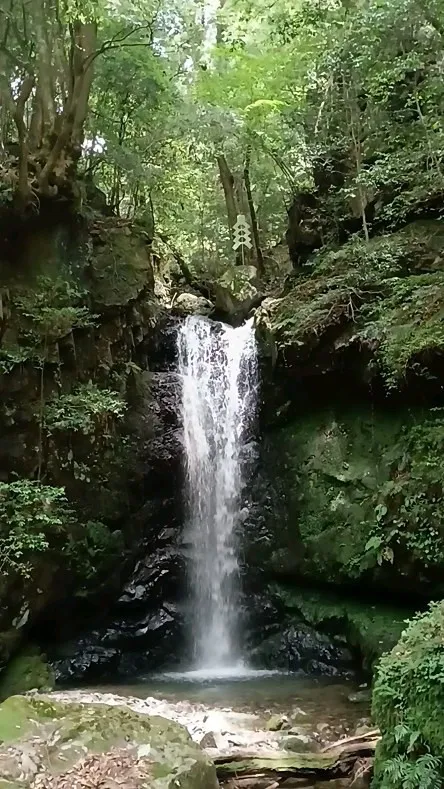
(372, 629)
(121, 265)
(360, 493)
(408, 706)
(376, 291)
(25, 672)
(314, 306)
(328, 469)
(77, 730)
(407, 322)
(14, 719)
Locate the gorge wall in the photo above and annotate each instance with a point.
(343, 517)
(89, 431)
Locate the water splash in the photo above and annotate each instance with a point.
(219, 370)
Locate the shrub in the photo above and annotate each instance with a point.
(30, 515)
(408, 706)
(84, 410)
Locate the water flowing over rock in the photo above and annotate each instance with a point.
(218, 366)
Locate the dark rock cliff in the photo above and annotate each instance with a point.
(82, 411)
(346, 494)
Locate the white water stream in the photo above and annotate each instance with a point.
(219, 372)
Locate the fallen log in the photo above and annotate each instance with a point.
(369, 736)
(337, 762)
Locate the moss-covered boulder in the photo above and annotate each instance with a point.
(236, 290)
(45, 743)
(369, 629)
(356, 493)
(408, 706)
(121, 265)
(27, 671)
(375, 307)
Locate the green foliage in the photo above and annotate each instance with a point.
(31, 516)
(408, 322)
(86, 410)
(93, 551)
(15, 356)
(311, 308)
(51, 309)
(408, 704)
(425, 772)
(369, 263)
(362, 491)
(409, 507)
(37, 519)
(383, 290)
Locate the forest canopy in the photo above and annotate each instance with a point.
(185, 113)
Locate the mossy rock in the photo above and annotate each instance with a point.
(236, 290)
(357, 493)
(370, 629)
(28, 671)
(59, 736)
(121, 266)
(385, 295)
(408, 707)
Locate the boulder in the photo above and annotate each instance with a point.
(237, 291)
(27, 671)
(301, 648)
(47, 744)
(299, 743)
(191, 304)
(278, 723)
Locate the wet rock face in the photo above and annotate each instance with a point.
(142, 631)
(96, 279)
(154, 424)
(332, 501)
(301, 648)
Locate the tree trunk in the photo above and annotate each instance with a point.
(227, 181)
(336, 761)
(253, 216)
(17, 111)
(353, 121)
(35, 134)
(220, 28)
(73, 117)
(86, 40)
(44, 67)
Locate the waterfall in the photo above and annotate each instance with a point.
(219, 373)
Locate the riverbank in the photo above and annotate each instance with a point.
(249, 729)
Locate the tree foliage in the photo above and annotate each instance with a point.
(185, 114)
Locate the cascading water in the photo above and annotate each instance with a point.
(219, 372)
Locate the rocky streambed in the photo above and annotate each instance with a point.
(250, 734)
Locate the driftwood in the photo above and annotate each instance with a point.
(270, 771)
